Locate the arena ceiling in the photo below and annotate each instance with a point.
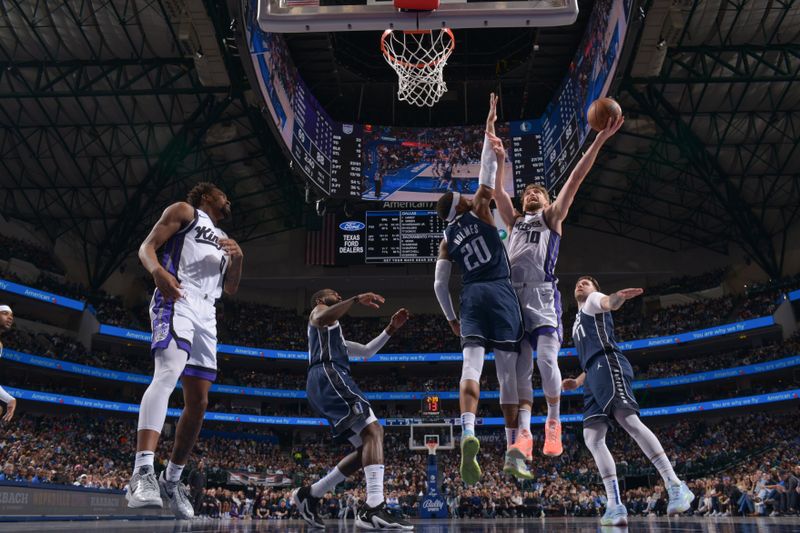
(111, 109)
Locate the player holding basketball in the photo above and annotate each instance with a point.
(535, 236)
(334, 395)
(6, 321)
(490, 315)
(607, 377)
(197, 263)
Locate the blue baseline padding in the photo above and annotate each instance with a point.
(689, 336)
(42, 296)
(91, 403)
(116, 375)
(794, 295)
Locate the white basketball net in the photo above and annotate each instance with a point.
(419, 58)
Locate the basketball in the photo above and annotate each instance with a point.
(601, 110)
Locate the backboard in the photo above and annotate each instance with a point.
(298, 16)
(424, 433)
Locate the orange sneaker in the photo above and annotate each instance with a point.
(552, 438)
(523, 447)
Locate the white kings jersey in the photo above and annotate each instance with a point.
(195, 256)
(533, 250)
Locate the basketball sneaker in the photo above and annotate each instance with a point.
(523, 447)
(143, 489)
(379, 518)
(176, 495)
(552, 438)
(680, 498)
(615, 515)
(514, 466)
(307, 506)
(470, 469)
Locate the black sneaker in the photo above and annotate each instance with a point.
(378, 518)
(307, 506)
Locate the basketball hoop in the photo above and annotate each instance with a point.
(432, 446)
(419, 57)
(432, 443)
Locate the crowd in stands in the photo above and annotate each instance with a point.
(11, 247)
(743, 464)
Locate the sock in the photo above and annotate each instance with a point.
(467, 423)
(664, 467)
(553, 410)
(511, 436)
(524, 419)
(173, 472)
(374, 475)
(144, 458)
(612, 490)
(327, 483)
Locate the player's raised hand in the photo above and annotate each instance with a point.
(627, 294)
(399, 318)
(231, 248)
(455, 325)
(569, 384)
(491, 118)
(370, 299)
(612, 126)
(167, 284)
(10, 408)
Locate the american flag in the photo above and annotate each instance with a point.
(321, 243)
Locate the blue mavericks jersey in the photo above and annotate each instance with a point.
(593, 335)
(477, 248)
(326, 345)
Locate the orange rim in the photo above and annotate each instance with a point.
(393, 59)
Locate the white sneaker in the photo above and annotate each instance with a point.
(680, 499)
(143, 489)
(177, 495)
(615, 515)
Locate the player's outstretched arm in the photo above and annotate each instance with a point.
(175, 217)
(326, 315)
(614, 301)
(491, 163)
(573, 383)
(441, 286)
(374, 346)
(557, 211)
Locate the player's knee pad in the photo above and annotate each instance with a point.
(169, 364)
(472, 368)
(506, 363)
(594, 436)
(547, 348)
(524, 371)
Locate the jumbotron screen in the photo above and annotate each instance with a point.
(386, 163)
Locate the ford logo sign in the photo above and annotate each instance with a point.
(352, 225)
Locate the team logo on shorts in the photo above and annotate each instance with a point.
(160, 331)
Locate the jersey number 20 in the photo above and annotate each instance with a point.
(476, 253)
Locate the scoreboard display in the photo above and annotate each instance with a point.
(390, 236)
(403, 236)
